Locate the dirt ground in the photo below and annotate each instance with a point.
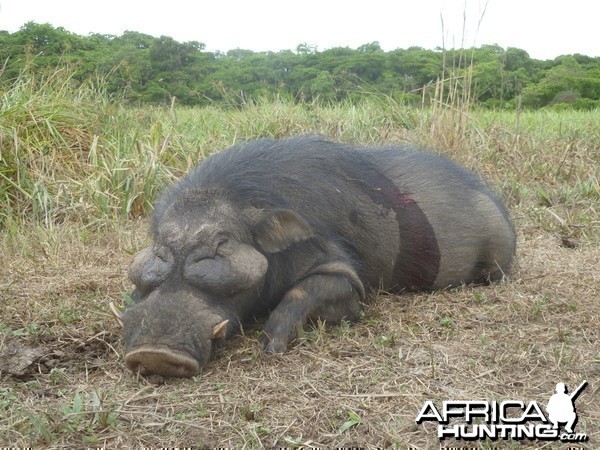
(63, 381)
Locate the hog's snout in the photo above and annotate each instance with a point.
(161, 360)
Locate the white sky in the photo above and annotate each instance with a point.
(544, 28)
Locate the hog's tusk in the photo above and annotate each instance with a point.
(117, 313)
(219, 330)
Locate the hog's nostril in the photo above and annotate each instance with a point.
(161, 361)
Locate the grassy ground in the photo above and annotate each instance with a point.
(78, 177)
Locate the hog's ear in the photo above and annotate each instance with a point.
(278, 229)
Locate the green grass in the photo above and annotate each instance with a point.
(71, 154)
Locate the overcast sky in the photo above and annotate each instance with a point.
(544, 28)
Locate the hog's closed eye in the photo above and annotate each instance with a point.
(198, 258)
(161, 257)
(200, 255)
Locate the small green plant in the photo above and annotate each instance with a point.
(294, 442)
(58, 375)
(371, 322)
(68, 315)
(545, 199)
(30, 330)
(353, 420)
(563, 336)
(386, 340)
(539, 305)
(7, 398)
(446, 322)
(102, 418)
(479, 297)
(383, 341)
(263, 430)
(88, 412)
(40, 427)
(77, 405)
(127, 300)
(250, 413)
(589, 189)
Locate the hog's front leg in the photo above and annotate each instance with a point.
(330, 297)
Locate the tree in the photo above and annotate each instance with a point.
(147, 69)
(416, 66)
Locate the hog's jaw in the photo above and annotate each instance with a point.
(168, 361)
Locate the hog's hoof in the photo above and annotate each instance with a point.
(163, 361)
(272, 347)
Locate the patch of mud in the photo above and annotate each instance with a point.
(19, 360)
(25, 359)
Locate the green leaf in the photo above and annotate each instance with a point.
(127, 300)
(77, 403)
(353, 420)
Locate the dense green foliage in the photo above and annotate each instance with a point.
(153, 70)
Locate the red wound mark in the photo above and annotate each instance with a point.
(418, 261)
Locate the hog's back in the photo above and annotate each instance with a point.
(407, 219)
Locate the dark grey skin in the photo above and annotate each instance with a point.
(302, 229)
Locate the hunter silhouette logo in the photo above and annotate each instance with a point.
(561, 407)
(508, 419)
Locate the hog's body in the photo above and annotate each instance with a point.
(303, 228)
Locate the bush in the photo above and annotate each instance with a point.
(580, 104)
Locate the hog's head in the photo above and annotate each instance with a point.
(202, 275)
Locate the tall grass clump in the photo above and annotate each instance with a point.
(46, 129)
(69, 153)
(66, 153)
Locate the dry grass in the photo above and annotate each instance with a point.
(62, 378)
(513, 340)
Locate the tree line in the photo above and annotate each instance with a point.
(146, 69)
